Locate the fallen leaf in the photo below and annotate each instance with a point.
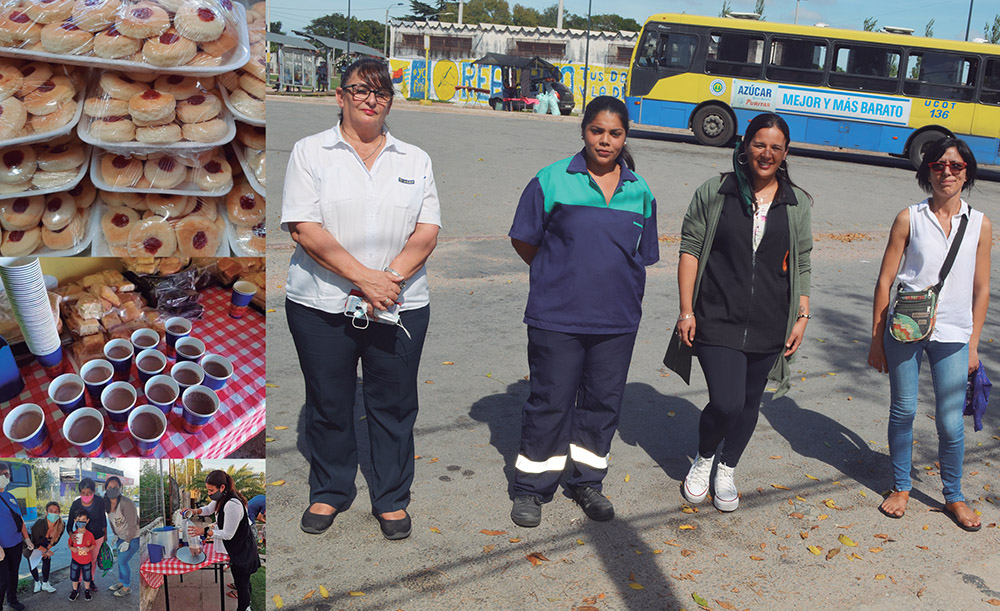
(627, 477)
(447, 363)
(687, 527)
(514, 540)
(636, 586)
(323, 592)
(670, 414)
(811, 477)
(435, 529)
(269, 385)
(862, 493)
(780, 487)
(832, 553)
(433, 460)
(536, 558)
(880, 576)
(631, 576)
(271, 310)
(687, 552)
(816, 550)
(488, 548)
(923, 547)
(994, 602)
(281, 428)
(277, 601)
(268, 439)
(308, 594)
(757, 558)
(845, 540)
(875, 550)
(687, 509)
(279, 482)
(579, 542)
(493, 533)
(774, 457)
(355, 593)
(800, 498)
(428, 381)
(882, 536)
(725, 605)
(796, 514)
(657, 551)
(672, 542)
(920, 592)
(699, 600)
(822, 516)
(804, 535)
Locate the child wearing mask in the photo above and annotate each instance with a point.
(82, 548)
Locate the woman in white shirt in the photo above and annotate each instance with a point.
(232, 533)
(920, 239)
(363, 210)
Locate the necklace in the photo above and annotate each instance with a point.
(374, 150)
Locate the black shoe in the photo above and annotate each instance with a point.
(394, 530)
(594, 504)
(314, 523)
(87, 595)
(74, 594)
(527, 511)
(17, 606)
(93, 587)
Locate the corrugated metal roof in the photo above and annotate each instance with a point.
(341, 45)
(289, 41)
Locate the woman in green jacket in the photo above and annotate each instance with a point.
(743, 278)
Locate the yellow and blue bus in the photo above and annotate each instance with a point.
(872, 91)
(22, 486)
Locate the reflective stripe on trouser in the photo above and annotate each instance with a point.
(571, 415)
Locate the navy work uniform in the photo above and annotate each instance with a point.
(583, 311)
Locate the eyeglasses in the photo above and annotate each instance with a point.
(360, 92)
(956, 166)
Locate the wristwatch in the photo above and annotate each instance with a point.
(402, 282)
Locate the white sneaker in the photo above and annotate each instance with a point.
(38, 586)
(47, 587)
(697, 480)
(726, 498)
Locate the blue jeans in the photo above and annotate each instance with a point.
(124, 572)
(949, 374)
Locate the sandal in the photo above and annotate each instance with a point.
(958, 522)
(232, 594)
(906, 497)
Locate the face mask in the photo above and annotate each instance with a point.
(52, 517)
(80, 525)
(113, 493)
(4, 480)
(216, 496)
(87, 498)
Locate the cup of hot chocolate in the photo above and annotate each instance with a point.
(177, 327)
(66, 391)
(149, 363)
(96, 374)
(144, 339)
(25, 425)
(120, 352)
(118, 400)
(187, 374)
(189, 349)
(162, 392)
(200, 405)
(243, 293)
(147, 424)
(218, 370)
(84, 428)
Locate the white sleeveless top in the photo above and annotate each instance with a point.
(922, 263)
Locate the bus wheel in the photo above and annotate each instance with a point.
(713, 126)
(919, 144)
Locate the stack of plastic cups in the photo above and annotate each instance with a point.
(22, 278)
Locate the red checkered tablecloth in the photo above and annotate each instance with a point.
(153, 574)
(240, 417)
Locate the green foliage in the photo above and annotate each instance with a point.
(274, 27)
(727, 8)
(601, 23)
(992, 33)
(870, 24)
(248, 482)
(526, 16)
(44, 478)
(929, 29)
(484, 11)
(421, 11)
(258, 589)
(368, 32)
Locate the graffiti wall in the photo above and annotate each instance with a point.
(461, 81)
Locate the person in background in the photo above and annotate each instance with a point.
(45, 533)
(13, 534)
(919, 241)
(97, 523)
(124, 521)
(586, 226)
(322, 78)
(362, 208)
(743, 280)
(83, 550)
(232, 532)
(258, 513)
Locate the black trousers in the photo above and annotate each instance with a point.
(241, 579)
(570, 417)
(329, 348)
(736, 382)
(46, 566)
(8, 573)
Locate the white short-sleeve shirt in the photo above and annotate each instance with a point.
(922, 261)
(370, 213)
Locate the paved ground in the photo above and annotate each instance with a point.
(813, 472)
(198, 592)
(103, 599)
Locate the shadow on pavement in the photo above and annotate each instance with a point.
(662, 425)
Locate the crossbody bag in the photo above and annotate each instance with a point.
(914, 312)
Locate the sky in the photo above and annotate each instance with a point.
(950, 15)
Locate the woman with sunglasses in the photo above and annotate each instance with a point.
(363, 209)
(743, 278)
(920, 239)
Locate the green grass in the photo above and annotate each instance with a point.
(25, 584)
(258, 589)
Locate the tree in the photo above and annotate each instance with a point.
(929, 29)
(870, 24)
(759, 9)
(526, 16)
(44, 480)
(421, 11)
(601, 23)
(371, 33)
(727, 8)
(248, 482)
(487, 11)
(274, 27)
(550, 17)
(992, 33)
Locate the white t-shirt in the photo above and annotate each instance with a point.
(234, 513)
(370, 213)
(922, 260)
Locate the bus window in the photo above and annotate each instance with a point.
(941, 76)
(20, 475)
(663, 50)
(865, 68)
(991, 83)
(735, 54)
(795, 60)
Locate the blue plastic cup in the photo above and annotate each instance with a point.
(177, 327)
(94, 389)
(243, 293)
(146, 441)
(52, 363)
(119, 416)
(120, 352)
(11, 382)
(90, 444)
(143, 360)
(35, 442)
(144, 339)
(155, 552)
(214, 364)
(68, 403)
(187, 374)
(189, 349)
(166, 403)
(195, 417)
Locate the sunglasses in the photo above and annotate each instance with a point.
(956, 166)
(360, 93)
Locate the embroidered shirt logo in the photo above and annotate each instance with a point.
(406, 181)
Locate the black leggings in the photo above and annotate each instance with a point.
(8, 573)
(736, 383)
(46, 565)
(241, 579)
